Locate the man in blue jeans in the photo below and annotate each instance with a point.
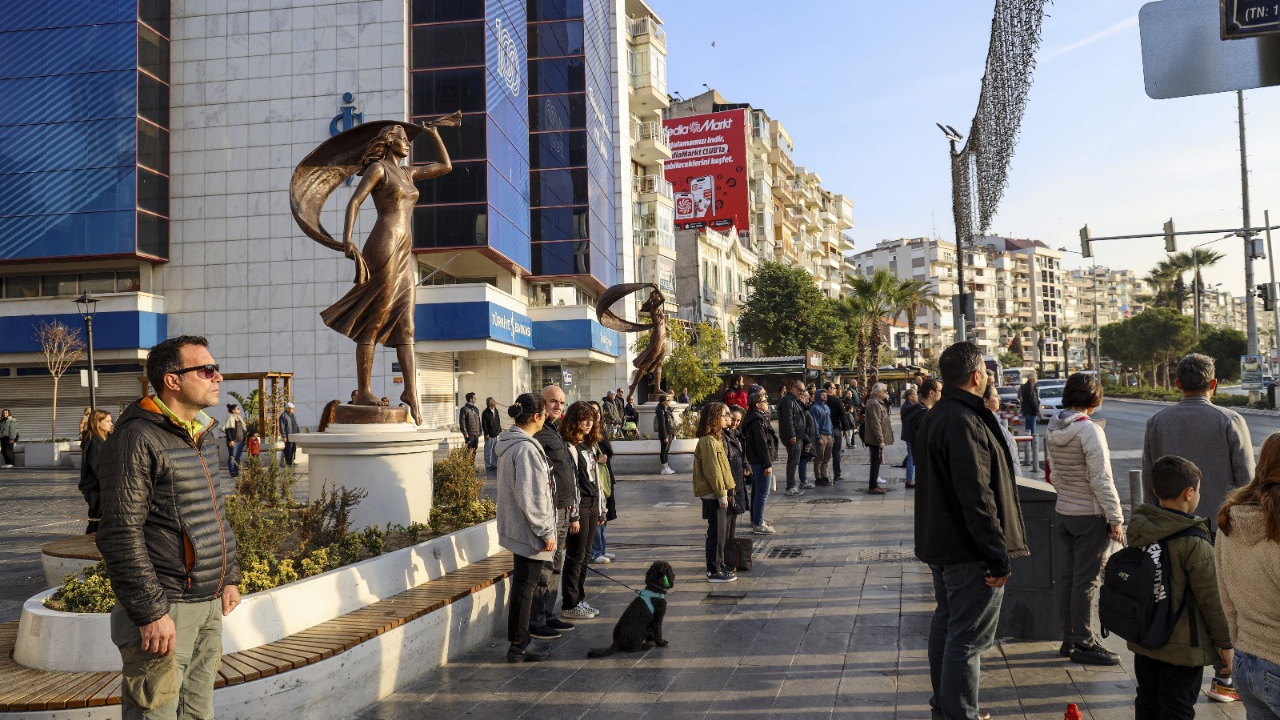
(968, 528)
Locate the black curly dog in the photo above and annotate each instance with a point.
(640, 626)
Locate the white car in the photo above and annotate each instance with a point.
(1050, 401)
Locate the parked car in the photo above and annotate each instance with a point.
(1008, 397)
(1052, 382)
(1050, 401)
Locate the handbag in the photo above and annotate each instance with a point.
(737, 553)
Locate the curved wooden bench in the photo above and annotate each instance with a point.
(24, 689)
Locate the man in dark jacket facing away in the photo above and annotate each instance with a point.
(544, 624)
(491, 424)
(169, 549)
(838, 425)
(791, 428)
(469, 422)
(1029, 403)
(968, 528)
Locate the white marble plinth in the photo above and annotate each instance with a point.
(392, 462)
(646, 412)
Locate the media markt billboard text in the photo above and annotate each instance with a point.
(708, 170)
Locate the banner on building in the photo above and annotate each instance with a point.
(708, 170)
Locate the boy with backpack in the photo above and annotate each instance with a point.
(1161, 594)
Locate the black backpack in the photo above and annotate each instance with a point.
(1135, 601)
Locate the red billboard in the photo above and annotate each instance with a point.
(708, 170)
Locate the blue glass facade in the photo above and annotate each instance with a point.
(571, 115)
(84, 129)
(471, 56)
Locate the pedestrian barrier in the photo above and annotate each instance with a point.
(24, 689)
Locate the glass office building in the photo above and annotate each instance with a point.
(570, 118)
(469, 55)
(84, 129)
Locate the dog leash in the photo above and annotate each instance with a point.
(606, 577)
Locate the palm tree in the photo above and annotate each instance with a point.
(1042, 329)
(1168, 289)
(878, 297)
(1194, 260)
(1064, 332)
(1087, 331)
(1015, 345)
(914, 296)
(849, 309)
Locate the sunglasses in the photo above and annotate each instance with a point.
(204, 372)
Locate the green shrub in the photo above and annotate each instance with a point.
(92, 594)
(457, 503)
(687, 428)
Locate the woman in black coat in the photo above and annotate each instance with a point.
(98, 428)
(742, 476)
(760, 450)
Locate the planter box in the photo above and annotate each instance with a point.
(81, 642)
(651, 447)
(640, 457)
(45, 454)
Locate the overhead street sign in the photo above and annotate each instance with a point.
(1249, 18)
(1183, 52)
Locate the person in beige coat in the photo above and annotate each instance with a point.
(1248, 562)
(1088, 510)
(878, 432)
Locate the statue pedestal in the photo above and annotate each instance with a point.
(391, 461)
(649, 409)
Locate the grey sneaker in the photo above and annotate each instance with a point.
(576, 613)
(794, 492)
(535, 651)
(721, 577)
(762, 530)
(594, 612)
(807, 486)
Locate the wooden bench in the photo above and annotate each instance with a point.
(24, 689)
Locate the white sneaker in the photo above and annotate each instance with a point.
(584, 606)
(609, 555)
(881, 481)
(599, 560)
(762, 530)
(666, 470)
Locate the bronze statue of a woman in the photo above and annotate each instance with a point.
(655, 353)
(378, 310)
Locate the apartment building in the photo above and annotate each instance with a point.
(713, 289)
(928, 260)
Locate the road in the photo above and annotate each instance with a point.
(37, 506)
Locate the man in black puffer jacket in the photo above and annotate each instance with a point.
(792, 419)
(544, 624)
(170, 553)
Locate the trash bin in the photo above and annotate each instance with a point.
(1271, 396)
(1031, 610)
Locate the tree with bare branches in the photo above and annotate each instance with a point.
(61, 347)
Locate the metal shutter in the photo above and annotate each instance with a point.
(435, 385)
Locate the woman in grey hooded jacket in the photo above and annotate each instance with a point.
(1088, 513)
(526, 519)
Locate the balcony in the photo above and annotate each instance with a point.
(651, 187)
(710, 296)
(779, 156)
(649, 143)
(827, 212)
(653, 242)
(649, 80)
(760, 135)
(809, 219)
(646, 30)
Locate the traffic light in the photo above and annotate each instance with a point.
(1170, 241)
(1267, 297)
(1086, 244)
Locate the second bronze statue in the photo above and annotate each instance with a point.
(378, 310)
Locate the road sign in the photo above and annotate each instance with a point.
(1183, 52)
(84, 378)
(1249, 18)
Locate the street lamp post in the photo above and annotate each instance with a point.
(962, 332)
(88, 307)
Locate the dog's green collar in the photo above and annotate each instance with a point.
(648, 595)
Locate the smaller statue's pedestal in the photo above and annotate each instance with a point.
(391, 461)
(646, 412)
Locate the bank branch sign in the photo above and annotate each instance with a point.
(510, 326)
(708, 170)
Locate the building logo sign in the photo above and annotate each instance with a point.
(508, 58)
(347, 117)
(605, 339)
(510, 326)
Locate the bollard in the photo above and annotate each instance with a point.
(1135, 489)
(1035, 453)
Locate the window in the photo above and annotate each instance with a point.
(22, 286)
(153, 147)
(56, 285)
(561, 149)
(554, 10)
(452, 45)
(558, 187)
(561, 258)
(558, 75)
(557, 112)
(438, 92)
(153, 192)
(155, 13)
(564, 223)
(128, 281)
(153, 100)
(98, 283)
(153, 235)
(450, 226)
(554, 39)
(465, 142)
(465, 184)
(153, 53)
(429, 11)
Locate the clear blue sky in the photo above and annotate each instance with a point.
(860, 84)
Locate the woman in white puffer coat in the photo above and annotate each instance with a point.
(1089, 515)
